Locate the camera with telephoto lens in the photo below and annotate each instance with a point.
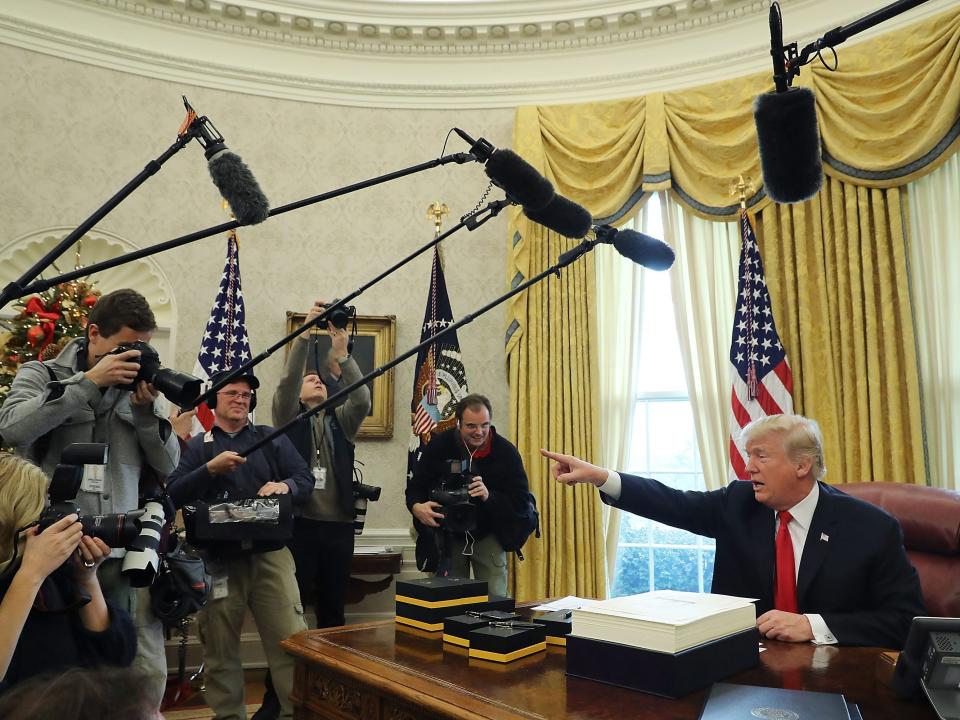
(179, 388)
(362, 494)
(457, 507)
(137, 531)
(340, 317)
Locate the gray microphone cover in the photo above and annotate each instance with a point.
(239, 188)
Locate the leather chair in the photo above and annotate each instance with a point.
(930, 518)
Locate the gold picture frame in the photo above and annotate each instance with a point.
(374, 345)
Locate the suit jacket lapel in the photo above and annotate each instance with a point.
(762, 541)
(816, 547)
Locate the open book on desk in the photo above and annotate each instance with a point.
(666, 621)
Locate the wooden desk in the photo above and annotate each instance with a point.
(381, 671)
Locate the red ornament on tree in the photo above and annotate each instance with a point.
(35, 335)
(90, 300)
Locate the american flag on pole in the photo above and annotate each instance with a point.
(762, 380)
(440, 380)
(225, 342)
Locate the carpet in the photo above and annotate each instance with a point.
(200, 713)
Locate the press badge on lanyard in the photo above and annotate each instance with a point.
(93, 478)
(319, 477)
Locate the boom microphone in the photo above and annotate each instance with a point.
(230, 174)
(511, 173)
(787, 134)
(642, 249)
(562, 216)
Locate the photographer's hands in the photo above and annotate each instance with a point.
(273, 488)
(91, 552)
(477, 489)
(426, 513)
(114, 369)
(225, 462)
(145, 394)
(46, 551)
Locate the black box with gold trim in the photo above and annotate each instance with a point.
(558, 625)
(500, 602)
(503, 642)
(425, 603)
(456, 628)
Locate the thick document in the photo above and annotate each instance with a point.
(726, 701)
(667, 621)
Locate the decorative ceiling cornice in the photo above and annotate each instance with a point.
(348, 52)
(473, 28)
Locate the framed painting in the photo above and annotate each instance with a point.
(374, 345)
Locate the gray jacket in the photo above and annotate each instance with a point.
(322, 505)
(74, 409)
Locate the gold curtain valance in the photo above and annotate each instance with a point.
(888, 115)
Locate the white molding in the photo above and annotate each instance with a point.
(168, 40)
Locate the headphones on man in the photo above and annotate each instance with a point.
(247, 377)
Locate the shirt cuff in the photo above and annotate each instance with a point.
(821, 633)
(611, 486)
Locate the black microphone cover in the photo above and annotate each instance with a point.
(562, 216)
(519, 179)
(239, 188)
(789, 144)
(644, 249)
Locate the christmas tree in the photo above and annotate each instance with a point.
(43, 325)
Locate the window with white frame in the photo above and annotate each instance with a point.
(663, 446)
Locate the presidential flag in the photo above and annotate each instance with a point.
(762, 381)
(439, 380)
(225, 344)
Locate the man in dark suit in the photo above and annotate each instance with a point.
(846, 578)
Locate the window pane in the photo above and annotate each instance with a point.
(637, 457)
(634, 529)
(666, 535)
(676, 570)
(707, 556)
(672, 436)
(660, 366)
(633, 571)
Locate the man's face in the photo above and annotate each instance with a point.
(475, 427)
(99, 344)
(233, 402)
(313, 391)
(779, 483)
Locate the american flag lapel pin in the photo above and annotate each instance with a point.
(824, 537)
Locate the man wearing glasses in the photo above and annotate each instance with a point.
(474, 458)
(262, 577)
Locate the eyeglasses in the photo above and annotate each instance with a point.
(231, 394)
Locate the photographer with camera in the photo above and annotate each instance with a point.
(84, 395)
(246, 574)
(323, 534)
(53, 614)
(464, 493)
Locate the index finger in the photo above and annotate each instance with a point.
(553, 455)
(63, 523)
(127, 354)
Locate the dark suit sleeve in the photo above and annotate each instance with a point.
(696, 512)
(190, 480)
(894, 593)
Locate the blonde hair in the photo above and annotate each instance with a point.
(801, 438)
(23, 495)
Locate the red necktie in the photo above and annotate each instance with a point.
(785, 593)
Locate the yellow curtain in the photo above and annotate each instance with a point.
(835, 264)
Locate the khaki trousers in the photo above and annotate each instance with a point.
(488, 560)
(265, 583)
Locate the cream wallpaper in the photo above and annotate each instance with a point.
(72, 134)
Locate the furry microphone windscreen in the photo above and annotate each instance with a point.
(789, 144)
(239, 188)
(519, 179)
(563, 216)
(644, 249)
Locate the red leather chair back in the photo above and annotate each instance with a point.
(930, 518)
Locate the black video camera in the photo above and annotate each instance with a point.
(457, 507)
(340, 317)
(180, 388)
(116, 530)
